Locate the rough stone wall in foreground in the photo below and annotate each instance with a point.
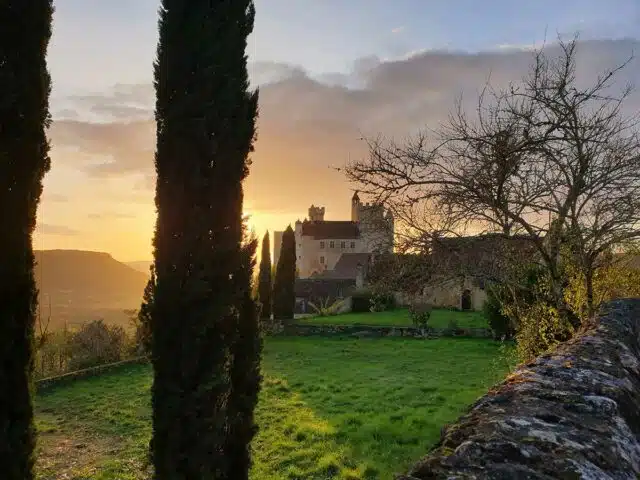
(572, 414)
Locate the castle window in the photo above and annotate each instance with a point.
(322, 260)
(321, 244)
(353, 244)
(332, 244)
(343, 244)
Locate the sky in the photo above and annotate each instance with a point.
(330, 72)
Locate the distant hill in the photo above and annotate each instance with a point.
(81, 286)
(141, 266)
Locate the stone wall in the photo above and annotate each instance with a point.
(571, 414)
(46, 383)
(306, 330)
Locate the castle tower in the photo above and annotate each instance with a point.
(316, 214)
(355, 207)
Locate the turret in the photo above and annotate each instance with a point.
(355, 207)
(316, 214)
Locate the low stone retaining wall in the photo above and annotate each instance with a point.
(362, 331)
(572, 414)
(46, 383)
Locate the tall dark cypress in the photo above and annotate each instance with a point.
(143, 332)
(284, 296)
(245, 373)
(25, 29)
(205, 116)
(265, 289)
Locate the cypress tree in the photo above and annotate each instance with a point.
(25, 30)
(143, 333)
(245, 373)
(265, 288)
(284, 297)
(205, 116)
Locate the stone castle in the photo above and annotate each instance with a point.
(337, 247)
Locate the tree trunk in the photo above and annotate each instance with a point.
(564, 312)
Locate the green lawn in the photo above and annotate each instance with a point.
(329, 409)
(440, 318)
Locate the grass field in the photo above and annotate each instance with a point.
(440, 318)
(330, 409)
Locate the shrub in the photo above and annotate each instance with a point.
(326, 309)
(377, 303)
(368, 300)
(53, 355)
(541, 328)
(499, 323)
(420, 312)
(361, 301)
(96, 343)
(142, 322)
(381, 300)
(507, 359)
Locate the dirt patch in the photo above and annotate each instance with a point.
(61, 456)
(66, 457)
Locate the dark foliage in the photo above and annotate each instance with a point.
(500, 324)
(143, 324)
(361, 301)
(25, 29)
(420, 313)
(364, 300)
(245, 374)
(265, 289)
(284, 297)
(205, 116)
(96, 343)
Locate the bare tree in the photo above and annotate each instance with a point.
(546, 158)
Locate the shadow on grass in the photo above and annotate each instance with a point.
(386, 399)
(99, 428)
(331, 408)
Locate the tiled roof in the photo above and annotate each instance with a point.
(348, 262)
(347, 266)
(321, 288)
(331, 230)
(481, 255)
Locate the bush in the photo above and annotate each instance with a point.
(499, 323)
(541, 329)
(361, 301)
(376, 300)
(96, 343)
(420, 312)
(53, 355)
(325, 308)
(507, 359)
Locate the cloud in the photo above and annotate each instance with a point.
(54, 197)
(110, 148)
(308, 124)
(59, 230)
(397, 30)
(110, 216)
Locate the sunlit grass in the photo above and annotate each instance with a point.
(440, 318)
(329, 409)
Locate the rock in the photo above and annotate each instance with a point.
(572, 414)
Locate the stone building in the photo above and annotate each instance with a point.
(320, 243)
(464, 267)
